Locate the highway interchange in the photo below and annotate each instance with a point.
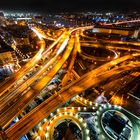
(23, 87)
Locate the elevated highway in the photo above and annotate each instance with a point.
(24, 99)
(86, 81)
(14, 109)
(69, 45)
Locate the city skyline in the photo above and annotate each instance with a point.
(69, 70)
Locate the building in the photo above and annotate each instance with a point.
(8, 63)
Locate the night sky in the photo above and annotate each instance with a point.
(69, 5)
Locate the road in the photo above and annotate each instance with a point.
(44, 109)
(6, 86)
(62, 116)
(11, 84)
(16, 108)
(6, 98)
(76, 49)
(38, 81)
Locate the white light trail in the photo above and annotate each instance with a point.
(62, 47)
(38, 34)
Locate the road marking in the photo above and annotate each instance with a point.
(133, 96)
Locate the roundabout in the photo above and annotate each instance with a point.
(128, 125)
(94, 53)
(49, 129)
